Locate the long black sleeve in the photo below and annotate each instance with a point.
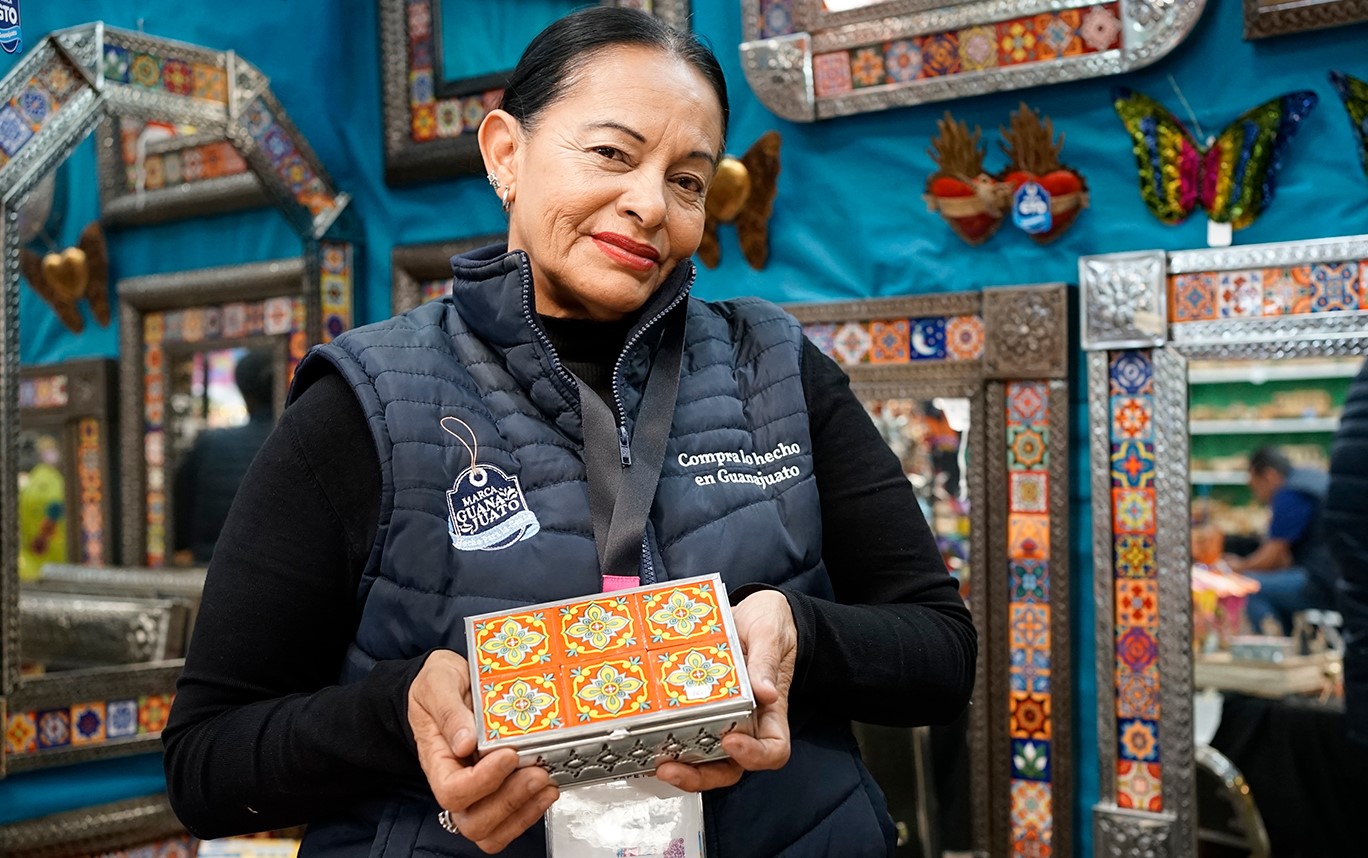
(260, 737)
(1346, 525)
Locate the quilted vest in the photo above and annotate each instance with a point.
(736, 496)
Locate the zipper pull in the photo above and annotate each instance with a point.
(624, 446)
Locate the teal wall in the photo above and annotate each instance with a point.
(849, 221)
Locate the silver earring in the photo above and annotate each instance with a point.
(493, 180)
(507, 203)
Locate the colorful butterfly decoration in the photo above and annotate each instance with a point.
(1355, 95)
(1232, 179)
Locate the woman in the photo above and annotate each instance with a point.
(326, 685)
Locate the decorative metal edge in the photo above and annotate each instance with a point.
(1026, 331)
(410, 162)
(1260, 23)
(9, 451)
(910, 306)
(914, 371)
(994, 585)
(1120, 833)
(119, 630)
(779, 69)
(101, 683)
(1061, 661)
(411, 264)
(1174, 560)
(982, 712)
(1124, 301)
(1270, 255)
(1237, 787)
(92, 830)
(90, 383)
(178, 290)
(1274, 336)
(1104, 587)
(128, 581)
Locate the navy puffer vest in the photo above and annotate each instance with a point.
(482, 356)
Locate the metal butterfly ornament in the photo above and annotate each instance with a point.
(742, 192)
(63, 278)
(1354, 92)
(1232, 178)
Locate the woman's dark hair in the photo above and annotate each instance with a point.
(549, 65)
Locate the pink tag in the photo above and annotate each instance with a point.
(619, 582)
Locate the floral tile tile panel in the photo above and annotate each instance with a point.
(595, 628)
(615, 688)
(677, 615)
(692, 675)
(513, 642)
(522, 704)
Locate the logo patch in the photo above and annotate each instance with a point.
(486, 510)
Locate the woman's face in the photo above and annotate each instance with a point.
(608, 187)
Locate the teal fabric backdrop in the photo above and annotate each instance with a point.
(849, 221)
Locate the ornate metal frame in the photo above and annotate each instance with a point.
(430, 124)
(805, 63)
(79, 396)
(89, 831)
(57, 95)
(1262, 18)
(416, 269)
(188, 189)
(1006, 351)
(1144, 316)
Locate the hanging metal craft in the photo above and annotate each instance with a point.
(743, 192)
(1354, 92)
(1232, 177)
(63, 278)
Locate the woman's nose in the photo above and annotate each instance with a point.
(644, 199)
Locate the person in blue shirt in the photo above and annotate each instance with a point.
(1292, 564)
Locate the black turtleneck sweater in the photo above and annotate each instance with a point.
(260, 735)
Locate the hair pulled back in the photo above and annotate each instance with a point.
(549, 66)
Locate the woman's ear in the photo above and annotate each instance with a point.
(500, 136)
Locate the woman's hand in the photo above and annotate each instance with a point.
(492, 801)
(769, 639)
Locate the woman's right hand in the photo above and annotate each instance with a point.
(492, 801)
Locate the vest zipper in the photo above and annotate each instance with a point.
(525, 271)
(625, 442)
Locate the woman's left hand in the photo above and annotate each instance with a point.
(769, 639)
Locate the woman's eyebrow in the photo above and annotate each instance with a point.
(710, 157)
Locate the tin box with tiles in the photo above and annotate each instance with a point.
(611, 685)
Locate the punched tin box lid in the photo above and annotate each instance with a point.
(635, 660)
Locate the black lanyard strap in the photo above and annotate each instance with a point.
(620, 495)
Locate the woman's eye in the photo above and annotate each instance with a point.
(691, 184)
(608, 152)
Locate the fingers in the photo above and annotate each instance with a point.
(515, 805)
(704, 776)
(769, 748)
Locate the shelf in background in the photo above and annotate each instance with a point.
(1219, 478)
(1258, 373)
(1270, 426)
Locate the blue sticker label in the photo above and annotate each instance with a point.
(11, 40)
(487, 511)
(1031, 208)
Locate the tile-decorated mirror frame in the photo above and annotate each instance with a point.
(79, 396)
(1262, 18)
(111, 830)
(68, 82)
(805, 63)
(430, 128)
(1006, 350)
(422, 272)
(1145, 315)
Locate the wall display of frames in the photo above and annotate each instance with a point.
(68, 84)
(970, 391)
(68, 431)
(145, 827)
(1145, 316)
(422, 272)
(814, 59)
(437, 91)
(1277, 17)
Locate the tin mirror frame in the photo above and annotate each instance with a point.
(82, 406)
(1014, 350)
(800, 59)
(67, 83)
(1137, 346)
(430, 123)
(1263, 19)
(416, 270)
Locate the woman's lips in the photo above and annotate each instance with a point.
(631, 254)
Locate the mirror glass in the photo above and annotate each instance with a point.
(219, 412)
(495, 45)
(925, 771)
(42, 499)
